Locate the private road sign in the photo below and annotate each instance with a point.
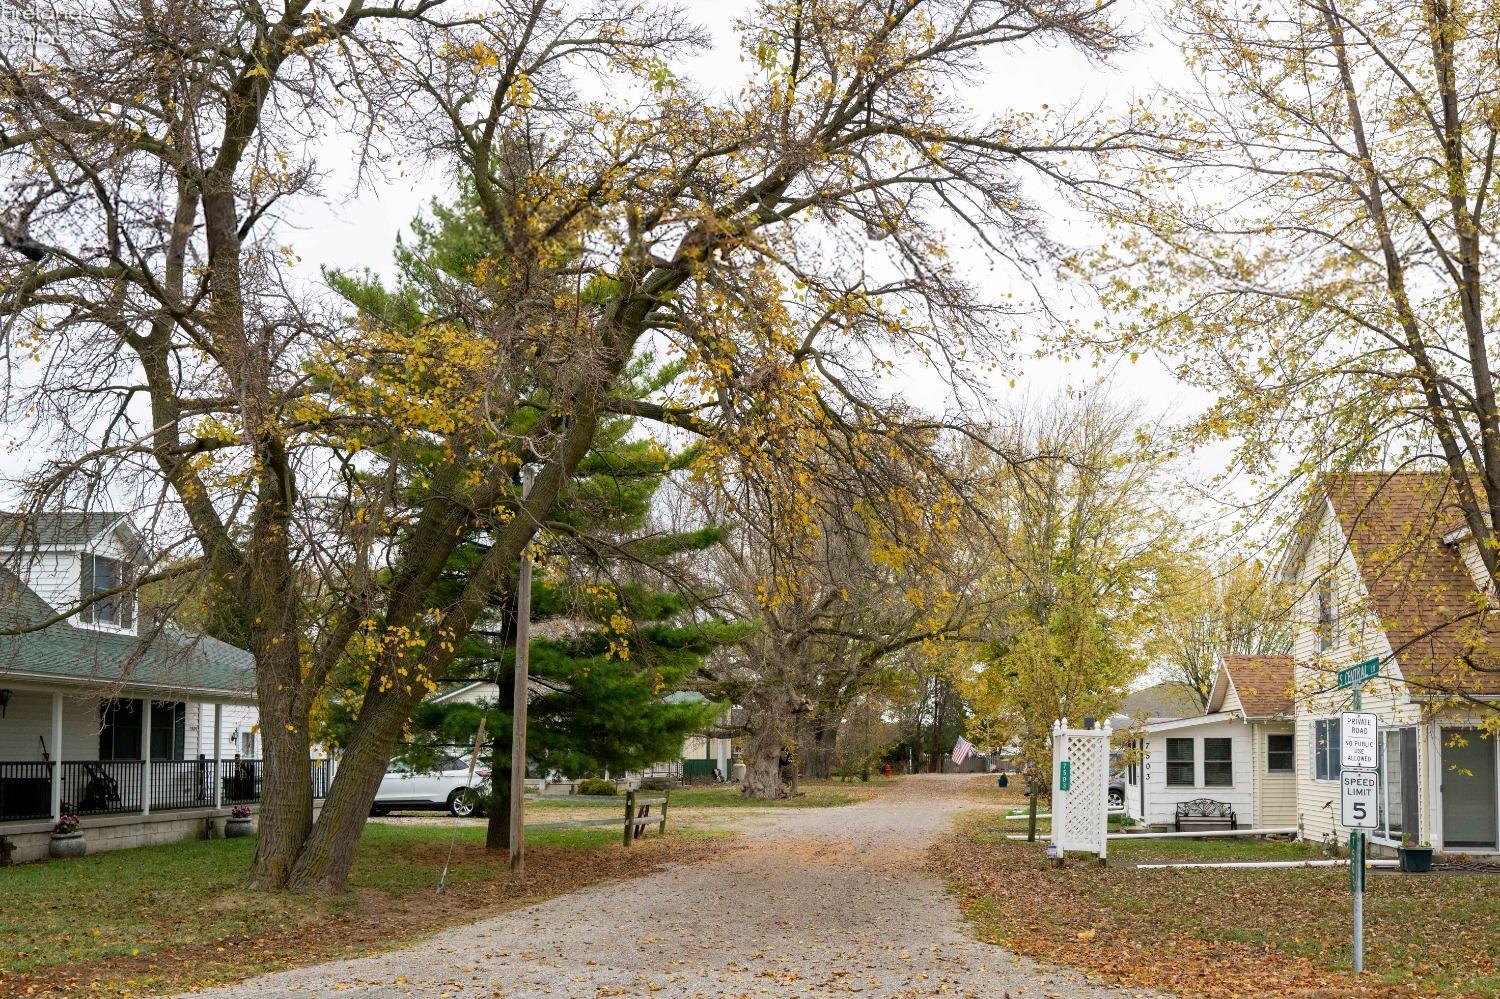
(1367, 670)
(1358, 736)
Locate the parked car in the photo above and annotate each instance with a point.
(446, 786)
(1117, 792)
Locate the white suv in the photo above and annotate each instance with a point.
(446, 786)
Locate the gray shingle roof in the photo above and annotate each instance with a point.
(165, 658)
(68, 528)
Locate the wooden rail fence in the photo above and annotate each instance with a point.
(638, 814)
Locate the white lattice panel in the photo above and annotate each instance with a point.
(1080, 813)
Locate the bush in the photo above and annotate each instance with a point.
(658, 784)
(596, 785)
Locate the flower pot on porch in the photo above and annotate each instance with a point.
(63, 845)
(234, 828)
(1415, 859)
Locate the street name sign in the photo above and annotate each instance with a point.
(1357, 799)
(1358, 737)
(1367, 670)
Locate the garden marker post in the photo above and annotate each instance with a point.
(1080, 789)
(518, 710)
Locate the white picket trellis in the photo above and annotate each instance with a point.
(1080, 800)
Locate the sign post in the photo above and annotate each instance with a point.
(1359, 782)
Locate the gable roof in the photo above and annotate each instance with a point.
(63, 529)
(1262, 683)
(163, 659)
(1419, 588)
(1170, 699)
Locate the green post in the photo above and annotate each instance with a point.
(629, 817)
(1357, 867)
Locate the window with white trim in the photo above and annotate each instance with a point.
(1179, 762)
(1326, 749)
(1327, 616)
(108, 576)
(1281, 755)
(1218, 762)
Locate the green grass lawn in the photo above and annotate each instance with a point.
(1227, 932)
(166, 917)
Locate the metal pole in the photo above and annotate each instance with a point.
(1357, 869)
(518, 710)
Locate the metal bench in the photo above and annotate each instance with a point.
(1206, 812)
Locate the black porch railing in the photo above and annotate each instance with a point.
(102, 787)
(25, 791)
(117, 787)
(182, 784)
(242, 780)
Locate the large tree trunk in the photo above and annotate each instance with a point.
(327, 853)
(286, 774)
(825, 744)
(763, 755)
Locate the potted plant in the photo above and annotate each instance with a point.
(239, 823)
(67, 838)
(1415, 858)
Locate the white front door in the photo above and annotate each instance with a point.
(1471, 790)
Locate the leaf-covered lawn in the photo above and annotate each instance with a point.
(817, 794)
(1273, 932)
(171, 917)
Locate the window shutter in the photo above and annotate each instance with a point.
(86, 586)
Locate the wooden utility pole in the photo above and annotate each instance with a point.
(518, 708)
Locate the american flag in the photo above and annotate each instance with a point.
(962, 750)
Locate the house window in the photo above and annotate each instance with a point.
(1179, 762)
(1327, 619)
(120, 730)
(103, 575)
(121, 722)
(1280, 753)
(1326, 749)
(1218, 762)
(247, 745)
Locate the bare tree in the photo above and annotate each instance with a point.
(778, 248)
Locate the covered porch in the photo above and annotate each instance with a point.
(138, 751)
(129, 765)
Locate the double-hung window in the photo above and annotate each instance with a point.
(1218, 762)
(1326, 749)
(1280, 753)
(1180, 763)
(111, 578)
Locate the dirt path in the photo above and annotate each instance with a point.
(814, 902)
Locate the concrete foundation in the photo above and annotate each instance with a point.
(25, 842)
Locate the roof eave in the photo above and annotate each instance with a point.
(186, 691)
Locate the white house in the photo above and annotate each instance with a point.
(1385, 571)
(1239, 751)
(142, 730)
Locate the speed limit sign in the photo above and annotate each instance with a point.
(1357, 800)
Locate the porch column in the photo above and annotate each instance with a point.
(146, 755)
(218, 754)
(55, 751)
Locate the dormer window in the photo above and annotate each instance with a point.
(1327, 619)
(112, 577)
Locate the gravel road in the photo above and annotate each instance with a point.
(812, 902)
